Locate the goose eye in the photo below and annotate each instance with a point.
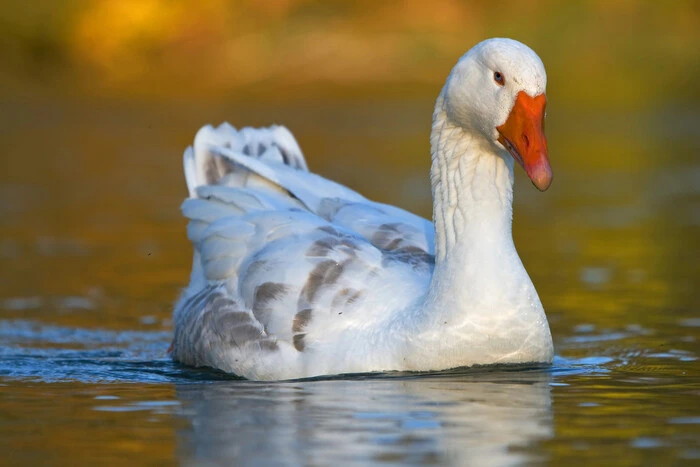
(498, 78)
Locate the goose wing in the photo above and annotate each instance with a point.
(284, 258)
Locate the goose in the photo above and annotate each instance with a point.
(297, 276)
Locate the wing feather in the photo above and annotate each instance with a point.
(295, 253)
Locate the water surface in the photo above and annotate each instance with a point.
(93, 254)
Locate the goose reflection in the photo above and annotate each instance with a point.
(487, 418)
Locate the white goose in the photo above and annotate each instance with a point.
(297, 276)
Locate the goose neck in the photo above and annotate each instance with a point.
(472, 186)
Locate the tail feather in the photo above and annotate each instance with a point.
(203, 166)
(190, 171)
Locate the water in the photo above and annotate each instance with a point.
(93, 254)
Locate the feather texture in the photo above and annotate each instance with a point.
(294, 275)
(288, 259)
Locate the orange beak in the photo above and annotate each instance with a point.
(523, 136)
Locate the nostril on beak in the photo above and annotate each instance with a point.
(526, 141)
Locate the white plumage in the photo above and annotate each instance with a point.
(294, 275)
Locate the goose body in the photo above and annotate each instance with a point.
(296, 276)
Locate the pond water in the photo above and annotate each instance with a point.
(93, 254)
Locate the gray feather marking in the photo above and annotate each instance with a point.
(264, 294)
(345, 297)
(336, 241)
(285, 157)
(216, 167)
(390, 239)
(211, 319)
(387, 237)
(298, 340)
(329, 229)
(301, 319)
(323, 247)
(244, 333)
(270, 291)
(220, 303)
(394, 244)
(256, 266)
(230, 320)
(416, 257)
(325, 273)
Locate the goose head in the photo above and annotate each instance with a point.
(497, 92)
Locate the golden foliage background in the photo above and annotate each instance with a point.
(627, 53)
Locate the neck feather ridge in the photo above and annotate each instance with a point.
(472, 189)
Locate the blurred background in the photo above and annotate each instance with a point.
(99, 99)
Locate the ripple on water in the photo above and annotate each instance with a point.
(437, 417)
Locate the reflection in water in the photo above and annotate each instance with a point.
(461, 419)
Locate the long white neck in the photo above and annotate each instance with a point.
(472, 210)
(482, 306)
(472, 189)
